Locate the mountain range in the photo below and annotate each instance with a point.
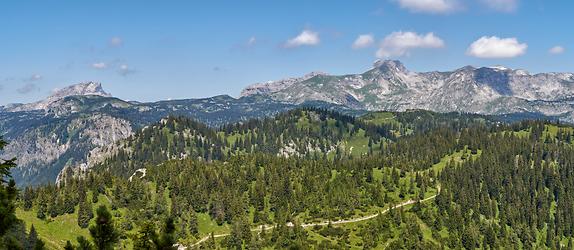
(72, 127)
(389, 85)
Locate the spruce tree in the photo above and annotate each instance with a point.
(103, 232)
(32, 238)
(85, 214)
(146, 237)
(8, 193)
(167, 240)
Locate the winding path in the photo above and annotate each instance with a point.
(290, 224)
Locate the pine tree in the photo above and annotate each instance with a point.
(41, 213)
(28, 198)
(95, 194)
(193, 226)
(146, 237)
(103, 232)
(85, 214)
(32, 238)
(39, 245)
(8, 193)
(167, 240)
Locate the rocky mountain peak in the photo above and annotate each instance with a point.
(390, 65)
(80, 89)
(87, 88)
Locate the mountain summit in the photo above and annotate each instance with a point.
(88, 88)
(389, 85)
(80, 89)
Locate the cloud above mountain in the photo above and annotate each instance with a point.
(556, 50)
(99, 65)
(305, 38)
(401, 43)
(429, 6)
(495, 47)
(363, 41)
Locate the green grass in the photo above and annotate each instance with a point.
(379, 118)
(206, 225)
(552, 130)
(56, 231)
(457, 157)
(358, 144)
(522, 133)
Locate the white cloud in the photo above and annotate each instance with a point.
(99, 65)
(400, 43)
(502, 5)
(306, 38)
(556, 50)
(125, 70)
(252, 41)
(430, 6)
(116, 41)
(363, 41)
(494, 47)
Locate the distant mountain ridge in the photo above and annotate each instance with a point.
(390, 86)
(74, 125)
(81, 89)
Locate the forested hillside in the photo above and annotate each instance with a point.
(315, 179)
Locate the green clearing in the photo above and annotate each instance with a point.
(380, 118)
(206, 225)
(56, 231)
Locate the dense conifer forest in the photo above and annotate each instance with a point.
(315, 179)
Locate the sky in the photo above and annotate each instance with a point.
(156, 50)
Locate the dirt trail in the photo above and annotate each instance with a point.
(268, 227)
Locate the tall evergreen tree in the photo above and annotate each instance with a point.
(85, 214)
(32, 238)
(103, 232)
(8, 193)
(166, 240)
(146, 237)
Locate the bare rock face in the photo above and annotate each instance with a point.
(99, 133)
(81, 89)
(389, 85)
(43, 151)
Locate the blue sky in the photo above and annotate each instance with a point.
(153, 50)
